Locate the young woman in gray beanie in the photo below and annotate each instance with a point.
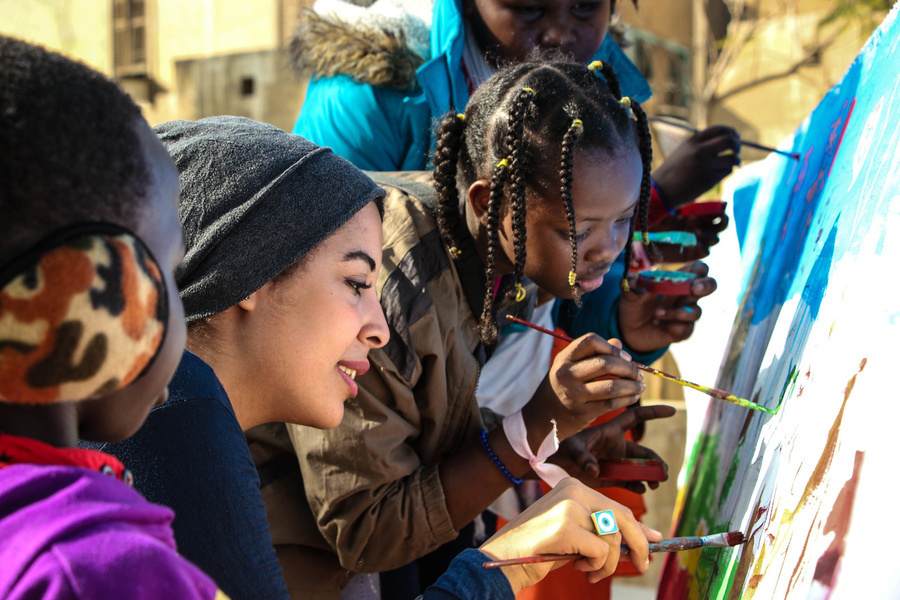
(283, 249)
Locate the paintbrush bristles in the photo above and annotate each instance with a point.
(734, 538)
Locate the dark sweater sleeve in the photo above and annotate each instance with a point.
(466, 579)
(191, 456)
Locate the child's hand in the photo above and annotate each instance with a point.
(588, 378)
(649, 321)
(697, 164)
(578, 454)
(560, 523)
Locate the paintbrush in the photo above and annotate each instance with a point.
(717, 540)
(711, 391)
(692, 129)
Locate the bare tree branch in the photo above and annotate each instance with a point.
(810, 57)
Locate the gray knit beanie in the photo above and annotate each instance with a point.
(254, 201)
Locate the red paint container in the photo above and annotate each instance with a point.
(668, 283)
(701, 209)
(632, 469)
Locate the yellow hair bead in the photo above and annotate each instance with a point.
(529, 90)
(520, 292)
(625, 102)
(502, 163)
(595, 66)
(645, 238)
(461, 117)
(572, 278)
(625, 287)
(455, 252)
(577, 124)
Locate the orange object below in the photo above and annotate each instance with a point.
(567, 583)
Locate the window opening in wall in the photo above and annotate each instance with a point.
(247, 86)
(130, 38)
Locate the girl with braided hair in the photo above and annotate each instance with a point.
(571, 111)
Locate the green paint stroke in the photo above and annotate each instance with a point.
(704, 494)
(790, 381)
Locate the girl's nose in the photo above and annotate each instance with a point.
(559, 33)
(603, 250)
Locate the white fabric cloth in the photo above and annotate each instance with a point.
(517, 434)
(362, 586)
(518, 365)
(410, 17)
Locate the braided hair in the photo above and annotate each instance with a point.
(514, 126)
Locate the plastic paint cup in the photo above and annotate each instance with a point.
(668, 283)
(700, 209)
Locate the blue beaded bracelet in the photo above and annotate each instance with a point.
(500, 465)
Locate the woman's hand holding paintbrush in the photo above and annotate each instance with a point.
(560, 523)
(679, 544)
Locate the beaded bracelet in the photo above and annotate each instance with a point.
(496, 459)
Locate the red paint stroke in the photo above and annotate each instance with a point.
(836, 136)
(802, 175)
(843, 130)
(820, 473)
(838, 522)
(759, 513)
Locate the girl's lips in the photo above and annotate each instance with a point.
(589, 285)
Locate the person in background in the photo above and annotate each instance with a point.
(423, 58)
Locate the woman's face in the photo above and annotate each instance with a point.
(605, 194)
(311, 331)
(511, 29)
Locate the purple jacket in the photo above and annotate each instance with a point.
(66, 532)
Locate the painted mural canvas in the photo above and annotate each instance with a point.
(815, 486)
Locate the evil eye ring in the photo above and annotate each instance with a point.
(605, 522)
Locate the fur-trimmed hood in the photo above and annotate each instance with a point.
(379, 43)
(382, 44)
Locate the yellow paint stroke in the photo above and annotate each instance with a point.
(787, 516)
